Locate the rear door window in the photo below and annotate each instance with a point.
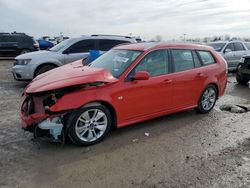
(182, 59)
(206, 57)
(106, 44)
(238, 46)
(82, 46)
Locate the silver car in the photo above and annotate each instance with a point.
(232, 51)
(28, 66)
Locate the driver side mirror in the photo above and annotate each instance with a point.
(141, 75)
(227, 50)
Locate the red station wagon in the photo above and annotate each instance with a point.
(128, 84)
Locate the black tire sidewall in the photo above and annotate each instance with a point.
(24, 51)
(200, 108)
(44, 68)
(72, 123)
(240, 79)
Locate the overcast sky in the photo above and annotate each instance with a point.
(147, 18)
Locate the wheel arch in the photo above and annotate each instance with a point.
(216, 86)
(44, 64)
(107, 105)
(22, 49)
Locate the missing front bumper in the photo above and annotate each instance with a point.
(54, 126)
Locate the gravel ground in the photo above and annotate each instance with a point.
(182, 150)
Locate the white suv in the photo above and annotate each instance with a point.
(28, 66)
(232, 51)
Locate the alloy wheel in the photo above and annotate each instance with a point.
(208, 99)
(91, 125)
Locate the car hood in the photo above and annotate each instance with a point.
(69, 75)
(41, 53)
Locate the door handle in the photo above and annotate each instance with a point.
(200, 75)
(167, 81)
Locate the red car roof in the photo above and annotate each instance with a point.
(154, 45)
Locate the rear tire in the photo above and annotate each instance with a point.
(89, 125)
(207, 99)
(43, 69)
(240, 78)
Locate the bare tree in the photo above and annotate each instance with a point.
(227, 37)
(158, 38)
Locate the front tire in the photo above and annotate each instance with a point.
(89, 125)
(43, 69)
(207, 99)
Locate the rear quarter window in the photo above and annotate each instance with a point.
(206, 57)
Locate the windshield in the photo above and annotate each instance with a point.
(116, 61)
(61, 45)
(217, 46)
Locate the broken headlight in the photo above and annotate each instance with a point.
(28, 106)
(49, 101)
(242, 60)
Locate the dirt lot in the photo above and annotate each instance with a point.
(182, 150)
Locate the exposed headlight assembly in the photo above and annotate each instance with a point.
(22, 61)
(50, 100)
(242, 60)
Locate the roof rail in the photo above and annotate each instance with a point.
(95, 35)
(18, 33)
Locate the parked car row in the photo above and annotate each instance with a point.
(45, 44)
(118, 82)
(13, 44)
(28, 66)
(243, 70)
(128, 84)
(232, 51)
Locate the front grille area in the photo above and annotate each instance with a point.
(28, 107)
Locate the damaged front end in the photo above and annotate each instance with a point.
(52, 96)
(38, 118)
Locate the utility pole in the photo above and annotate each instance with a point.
(184, 37)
